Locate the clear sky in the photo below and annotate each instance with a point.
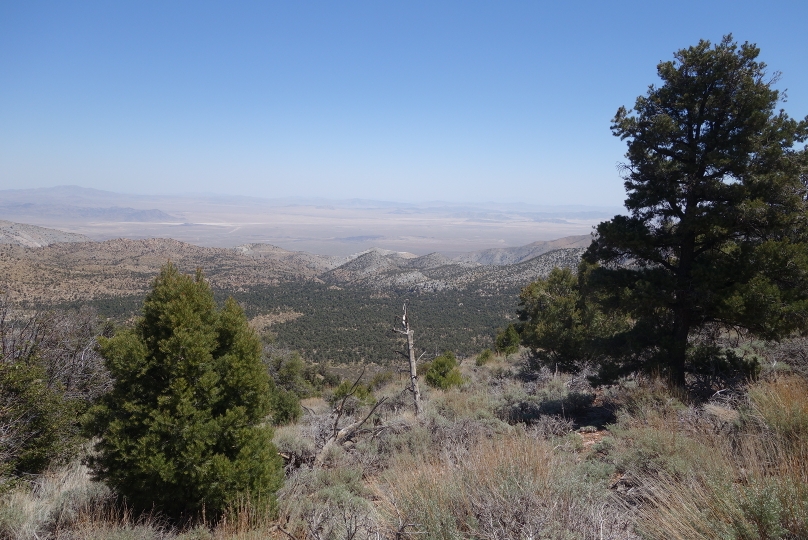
(411, 101)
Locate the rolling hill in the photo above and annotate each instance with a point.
(343, 307)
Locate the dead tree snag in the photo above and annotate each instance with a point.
(416, 393)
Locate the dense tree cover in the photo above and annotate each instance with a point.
(352, 324)
(717, 233)
(183, 427)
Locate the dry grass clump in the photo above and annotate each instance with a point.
(782, 404)
(759, 488)
(513, 487)
(470, 403)
(54, 501)
(67, 504)
(327, 503)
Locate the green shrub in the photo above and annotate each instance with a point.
(484, 357)
(718, 363)
(381, 379)
(289, 373)
(293, 373)
(183, 428)
(443, 372)
(362, 393)
(286, 407)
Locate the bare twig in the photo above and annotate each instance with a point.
(344, 434)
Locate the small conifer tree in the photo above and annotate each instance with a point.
(183, 428)
(507, 341)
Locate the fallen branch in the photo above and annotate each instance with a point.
(340, 436)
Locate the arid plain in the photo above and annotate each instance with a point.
(317, 226)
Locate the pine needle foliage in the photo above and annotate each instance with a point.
(183, 430)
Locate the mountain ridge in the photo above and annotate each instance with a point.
(99, 213)
(52, 270)
(33, 236)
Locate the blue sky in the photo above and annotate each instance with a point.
(412, 101)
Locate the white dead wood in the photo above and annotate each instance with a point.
(407, 331)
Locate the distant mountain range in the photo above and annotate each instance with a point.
(67, 267)
(311, 224)
(486, 257)
(89, 197)
(70, 212)
(515, 255)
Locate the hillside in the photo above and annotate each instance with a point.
(20, 234)
(90, 270)
(514, 255)
(434, 272)
(337, 309)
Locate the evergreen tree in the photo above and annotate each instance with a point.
(558, 325)
(716, 232)
(553, 324)
(507, 341)
(184, 426)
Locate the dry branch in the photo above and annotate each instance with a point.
(340, 436)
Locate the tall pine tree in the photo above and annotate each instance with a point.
(184, 426)
(717, 231)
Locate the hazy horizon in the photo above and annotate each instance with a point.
(316, 224)
(416, 101)
(304, 199)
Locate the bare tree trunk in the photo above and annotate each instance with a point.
(342, 435)
(678, 352)
(416, 392)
